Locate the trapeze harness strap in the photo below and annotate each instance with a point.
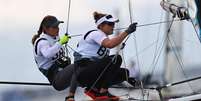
(85, 36)
(101, 49)
(50, 73)
(36, 49)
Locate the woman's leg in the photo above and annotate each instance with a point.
(121, 76)
(90, 73)
(65, 78)
(114, 74)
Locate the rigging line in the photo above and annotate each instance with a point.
(143, 25)
(68, 16)
(150, 24)
(163, 45)
(158, 34)
(178, 57)
(156, 51)
(137, 26)
(181, 62)
(146, 48)
(134, 36)
(157, 42)
(130, 16)
(75, 35)
(128, 95)
(136, 47)
(67, 26)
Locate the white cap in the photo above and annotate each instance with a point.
(107, 18)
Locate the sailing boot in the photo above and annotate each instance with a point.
(134, 82)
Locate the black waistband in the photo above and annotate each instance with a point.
(83, 62)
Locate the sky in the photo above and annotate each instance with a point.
(20, 20)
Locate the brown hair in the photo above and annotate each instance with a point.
(41, 28)
(97, 16)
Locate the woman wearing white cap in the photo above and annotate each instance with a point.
(50, 56)
(92, 57)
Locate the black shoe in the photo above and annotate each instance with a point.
(135, 83)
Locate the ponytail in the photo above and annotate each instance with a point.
(36, 36)
(97, 16)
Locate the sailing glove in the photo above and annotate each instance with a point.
(131, 28)
(64, 39)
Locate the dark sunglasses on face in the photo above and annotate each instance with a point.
(56, 27)
(110, 23)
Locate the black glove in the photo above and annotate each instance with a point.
(131, 28)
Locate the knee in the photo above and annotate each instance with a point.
(118, 60)
(124, 73)
(59, 87)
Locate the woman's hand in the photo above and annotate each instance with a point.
(131, 28)
(64, 39)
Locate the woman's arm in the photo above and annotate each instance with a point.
(48, 51)
(113, 42)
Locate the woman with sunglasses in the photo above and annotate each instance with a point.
(96, 69)
(50, 56)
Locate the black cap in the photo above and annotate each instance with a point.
(51, 21)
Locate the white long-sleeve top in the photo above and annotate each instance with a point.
(47, 50)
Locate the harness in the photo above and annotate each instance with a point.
(61, 62)
(85, 36)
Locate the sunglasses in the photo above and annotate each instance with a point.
(109, 23)
(56, 27)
